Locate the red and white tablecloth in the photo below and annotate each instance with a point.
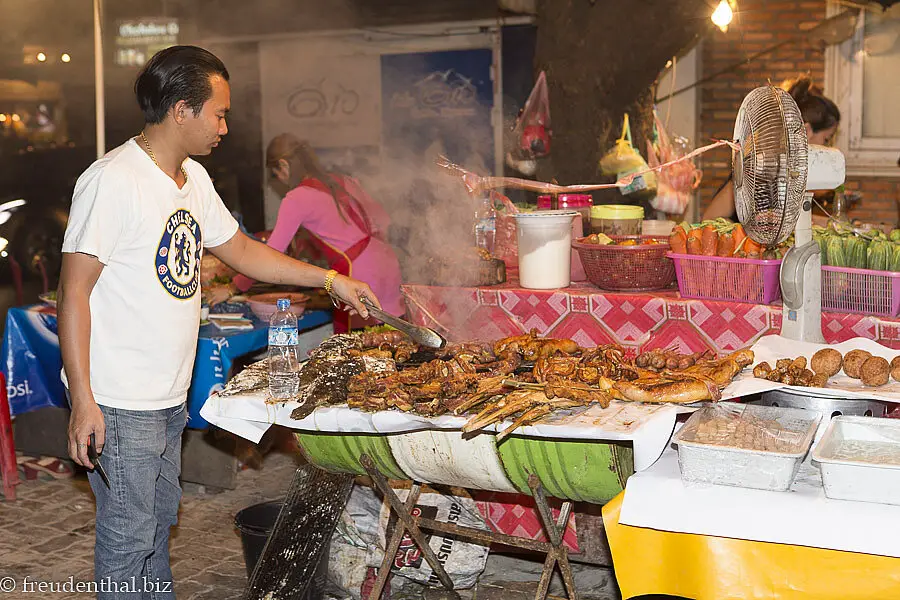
(637, 322)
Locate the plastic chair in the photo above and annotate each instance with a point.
(8, 468)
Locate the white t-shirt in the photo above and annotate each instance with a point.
(145, 308)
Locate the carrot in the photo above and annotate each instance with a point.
(678, 241)
(752, 249)
(693, 242)
(708, 240)
(725, 245)
(739, 236)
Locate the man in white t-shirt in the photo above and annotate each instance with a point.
(129, 308)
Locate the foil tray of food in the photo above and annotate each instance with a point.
(745, 445)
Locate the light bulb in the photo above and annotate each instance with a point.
(65, 58)
(41, 57)
(722, 16)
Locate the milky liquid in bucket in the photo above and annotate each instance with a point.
(545, 246)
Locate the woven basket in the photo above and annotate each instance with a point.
(639, 268)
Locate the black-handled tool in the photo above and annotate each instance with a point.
(95, 460)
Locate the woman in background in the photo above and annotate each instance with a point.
(821, 117)
(344, 223)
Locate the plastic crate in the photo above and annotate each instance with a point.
(639, 268)
(861, 291)
(729, 279)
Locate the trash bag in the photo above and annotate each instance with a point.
(359, 541)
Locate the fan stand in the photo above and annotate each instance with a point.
(801, 282)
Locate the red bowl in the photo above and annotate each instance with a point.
(265, 305)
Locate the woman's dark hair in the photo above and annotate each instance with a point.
(304, 163)
(176, 73)
(817, 110)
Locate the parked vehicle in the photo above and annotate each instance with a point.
(35, 194)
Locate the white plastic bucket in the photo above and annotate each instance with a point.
(545, 248)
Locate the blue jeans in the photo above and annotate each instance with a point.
(142, 456)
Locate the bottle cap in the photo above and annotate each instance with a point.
(283, 303)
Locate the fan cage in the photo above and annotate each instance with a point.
(771, 166)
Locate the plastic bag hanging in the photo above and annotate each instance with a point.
(677, 182)
(624, 160)
(532, 133)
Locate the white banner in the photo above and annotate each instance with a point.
(329, 99)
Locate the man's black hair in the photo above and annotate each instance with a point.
(176, 73)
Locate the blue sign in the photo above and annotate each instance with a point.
(446, 96)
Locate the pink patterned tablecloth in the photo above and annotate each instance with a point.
(592, 317)
(637, 322)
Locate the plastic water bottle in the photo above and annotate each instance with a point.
(485, 224)
(284, 359)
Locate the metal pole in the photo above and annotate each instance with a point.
(98, 79)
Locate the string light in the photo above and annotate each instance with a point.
(722, 16)
(16, 118)
(65, 57)
(41, 57)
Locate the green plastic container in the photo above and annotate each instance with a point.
(339, 453)
(573, 470)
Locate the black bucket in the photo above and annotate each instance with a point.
(256, 524)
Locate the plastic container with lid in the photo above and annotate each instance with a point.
(581, 203)
(617, 219)
(545, 248)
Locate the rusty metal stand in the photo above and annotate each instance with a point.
(556, 552)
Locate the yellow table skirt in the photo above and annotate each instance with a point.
(649, 561)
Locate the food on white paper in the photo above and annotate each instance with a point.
(790, 372)
(853, 362)
(875, 371)
(827, 361)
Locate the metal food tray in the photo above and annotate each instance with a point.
(860, 459)
(725, 463)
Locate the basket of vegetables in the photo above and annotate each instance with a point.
(715, 260)
(860, 270)
(626, 263)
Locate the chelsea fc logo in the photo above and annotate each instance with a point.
(178, 256)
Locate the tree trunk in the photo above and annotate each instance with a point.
(602, 59)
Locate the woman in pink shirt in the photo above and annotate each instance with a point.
(345, 224)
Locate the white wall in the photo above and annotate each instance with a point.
(683, 111)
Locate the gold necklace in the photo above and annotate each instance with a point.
(153, 157)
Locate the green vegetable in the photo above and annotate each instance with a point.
(895, 235)
(878, 256)
(835, 254)
(895, 258)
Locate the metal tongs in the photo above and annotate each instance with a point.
(421, 335)
(95, 460)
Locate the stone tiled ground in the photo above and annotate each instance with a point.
(47, 534)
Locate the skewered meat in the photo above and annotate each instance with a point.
(377, 340)
(658, 360)
(668, 389)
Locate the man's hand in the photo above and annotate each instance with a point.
(86, 418)
(352, 292)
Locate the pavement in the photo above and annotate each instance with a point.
(47, 535)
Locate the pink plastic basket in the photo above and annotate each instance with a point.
(729, 279)
(861, 291)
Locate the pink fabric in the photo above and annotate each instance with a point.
(316, 211)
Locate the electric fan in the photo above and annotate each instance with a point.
(775, 170)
